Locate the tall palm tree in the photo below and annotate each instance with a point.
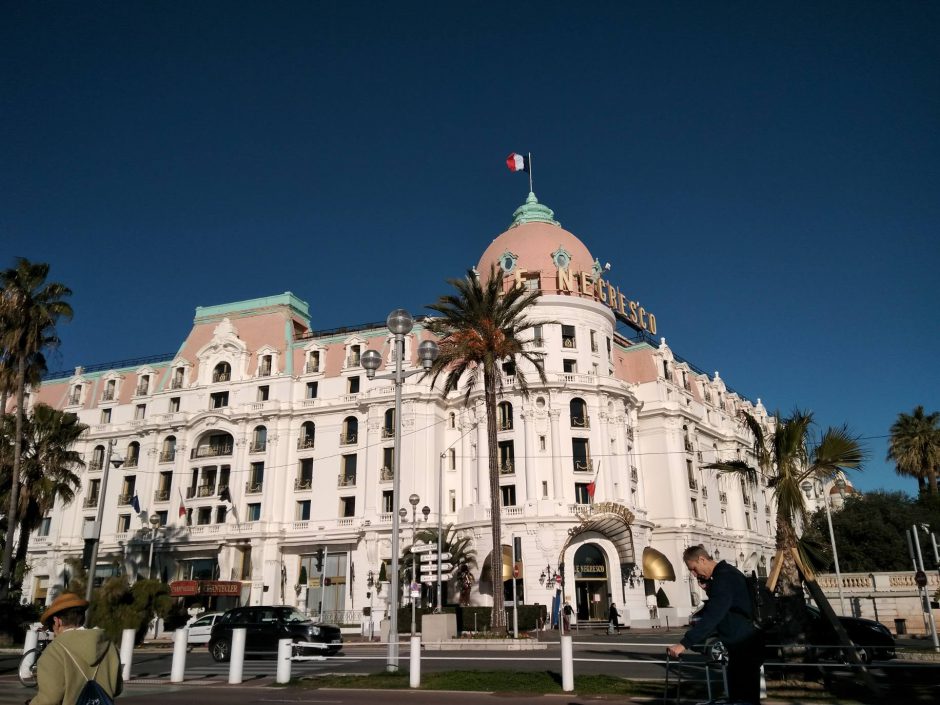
(787, 458)
(30, 307)
(48, 469)
(481, 328)
(915, 447)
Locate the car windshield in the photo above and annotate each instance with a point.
(295, 616)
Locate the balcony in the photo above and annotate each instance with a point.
(131, 461)
(693, 485)
(303, 483)
(311, 367)
(125, 499)
(176, 384)
(723, 497)
(95, 465)
(258, 447)
(305, 442)
(507, 468)
(107, 395)
(161, 495)
(221, 376)
(205, 490)
(167, 456)
(141, 391)
(253, 487)
(504, 425)
(264, 371)
(90, 502)
(347, 439)
(634, 474)
(584, 465)
(388, 433)
(345, 480)
(386, 474)
(211, 451)
(580, 422)
(74, 401)
(353, 361)
(538, 342)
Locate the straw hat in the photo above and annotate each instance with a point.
(65, 601)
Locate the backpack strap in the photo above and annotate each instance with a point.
(94, 676)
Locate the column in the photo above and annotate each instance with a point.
(368, 474)
(466, 467)
(529, 465)
(608, 471)
(483, 462)
(558, 491)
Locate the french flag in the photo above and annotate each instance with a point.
(517, 162)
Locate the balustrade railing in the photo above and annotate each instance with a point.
(253, 487)
(161, 495)
(303, 483)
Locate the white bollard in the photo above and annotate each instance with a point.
(284, 649)
(237, 663)
(127, 652)
(32, 638)
(567, 664)
(180, 644)
(414, 674)
(763, 684)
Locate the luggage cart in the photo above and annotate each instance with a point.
(716, 656)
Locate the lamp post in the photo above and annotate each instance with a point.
(154, 527)
(413, 501)
(399, 323)
(821, 492)
(370, 583)
(95, 538)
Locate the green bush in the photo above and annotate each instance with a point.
(15, 619)
(117, 606)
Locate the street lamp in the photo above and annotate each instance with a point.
(399, 323)
(820, 492)
(95, 538)
(413, 501)
(154, 527)
(370, 583)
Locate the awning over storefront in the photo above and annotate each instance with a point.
(189, 588)
(611, 520)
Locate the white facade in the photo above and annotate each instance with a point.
(287, 421)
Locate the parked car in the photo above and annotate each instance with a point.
(874, 640)
(201, 629)
(265, 626)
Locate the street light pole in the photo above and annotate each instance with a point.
(96, 537)
(817, 485)
(413, 500)
(154, 527)
(399, 323)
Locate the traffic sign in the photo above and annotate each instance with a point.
(433, 556)
(920, 577)
(430, 578)
(423, 548)
(432, 567)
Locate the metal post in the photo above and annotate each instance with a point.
(93, 563)
(127, 652)
(567, 664)
(440, 527)
(237, 663)
(414, 563)
(925, 600)
(284, 647)
(180, 644)
(392, 660)
(414, 676)
(515, 596)
(832, 540)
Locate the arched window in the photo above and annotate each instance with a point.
(222, 372)
(350, 432)
(308, 435)
(132, 457)
(388, 428)
(97, 458)
(259, 439)
(579, 417)
(504, 415)
(168, 452)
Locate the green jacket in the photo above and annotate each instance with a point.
(60, 680)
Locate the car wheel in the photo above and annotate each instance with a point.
(333, 650)
(221, 650)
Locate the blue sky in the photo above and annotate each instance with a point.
(762, 176)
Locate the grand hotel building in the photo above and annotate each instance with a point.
(265, 454)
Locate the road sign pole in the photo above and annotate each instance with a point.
(923, 590)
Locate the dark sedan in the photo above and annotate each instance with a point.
(874, 641)
(265, 626)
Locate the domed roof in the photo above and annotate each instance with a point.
(536, 242)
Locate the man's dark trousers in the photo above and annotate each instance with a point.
(744, 662)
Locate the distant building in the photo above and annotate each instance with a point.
(258, 408)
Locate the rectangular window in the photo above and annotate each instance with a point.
(123, 523)
(506, 457)
(177, 381)
(76, 395)
(305, 474)
(507, 495)
(254, 511)
(44, 526)
(106, 416)
(352, 385)
(204, 516)
(347, 507)
(221, 512)
(539, 339)
(91, 499)
(581, 454)
(695, 508)
(312, 390)
(349, 463)
(387, 505)
(388, 458)
(127, 489)
(608, 349)
(724, 518)
(567, 337)
(593, 341)
(256, 477)
(218, 400)
(581, 495)
(569, 366)
(140, 412)
(452, 458)
(452, 500)
(174, 404)
(302, 510)
(541, 442)
(265, 366)
(353, 359)
(747, 520)
(532, 283)
(263, 392)
(162, 515)
(313, 362)
(544, 489)
(143, 386)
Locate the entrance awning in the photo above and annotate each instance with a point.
(611, 520)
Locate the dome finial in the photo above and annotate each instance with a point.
(533, 212)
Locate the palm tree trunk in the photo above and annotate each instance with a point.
(932, 479)
(22, 546)
(498, 618)
(5, 578)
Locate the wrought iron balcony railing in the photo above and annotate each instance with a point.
(303, 483)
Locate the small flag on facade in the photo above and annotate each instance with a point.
(182, 506)
(135, 503)
(517, 162)
(225, 495)
(592, 485)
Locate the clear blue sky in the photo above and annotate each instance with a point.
(762, 176)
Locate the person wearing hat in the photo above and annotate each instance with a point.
(75, 656)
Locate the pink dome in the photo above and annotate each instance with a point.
(536, 243)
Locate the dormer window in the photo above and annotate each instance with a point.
(313, 362)
(75, 395)
(143, 385)
(177, 380)
(264, 366)
(110, 390)
(222, 372)
(353, 357)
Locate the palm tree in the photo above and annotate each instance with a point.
(460, 548)
(29, 309)
(786, 457)
(915, 447)
(480, 329)
(48, 467)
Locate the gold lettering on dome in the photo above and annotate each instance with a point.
(587, 284)
(612, 296)
(600, 291)
(622, 302)
(642, 316)
(652, 324)
(633, 313)
(565, 280)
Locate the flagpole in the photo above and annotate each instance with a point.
(530, 173)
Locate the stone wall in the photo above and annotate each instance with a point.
(885, 597)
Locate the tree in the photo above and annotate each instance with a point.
(786, 458)
(481, 328)
(460, 548)
(30, 307)
(117, 606)
(914, 446)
